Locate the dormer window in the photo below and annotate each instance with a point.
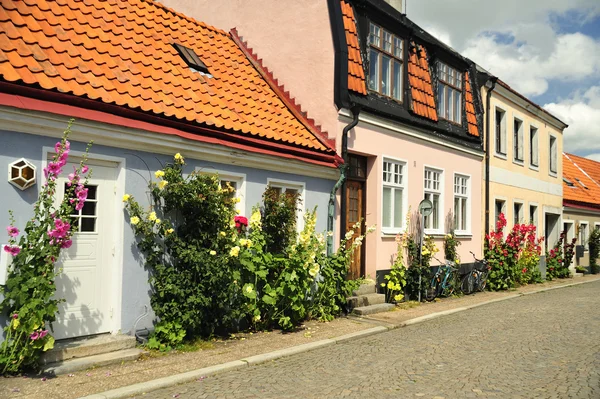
(191, 58)
(449, 93)
(385, 62)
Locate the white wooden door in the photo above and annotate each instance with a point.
(85, 281)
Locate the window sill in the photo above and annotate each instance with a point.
(463, 234)
(553, 174)
(534, 167)
(390, 233)
(501, 156)
(435, 233)
(519, 162)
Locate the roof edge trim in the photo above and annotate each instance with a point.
(294, 107)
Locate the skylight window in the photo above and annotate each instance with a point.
(569, 182)
(191, 58)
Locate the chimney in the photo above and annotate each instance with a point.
(397, 4)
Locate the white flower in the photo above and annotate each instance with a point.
(314, 270)
(371, 229)
(349, 235)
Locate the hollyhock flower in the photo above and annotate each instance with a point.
(162, 184)
(66, 244)
(12, 231)
(54, 168)
(57, 147)
(169, 231)
(178, 158)
(43, 333)
(63, 158)
(152, 216)
(82, 194)
(15, 316)
(14, 250)
(34, 335)
(213, 252)
(235, 251)
(79, 205)
(159, 173)
(126, 197)
(84, 169)
(134, 220)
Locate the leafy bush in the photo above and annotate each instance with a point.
(594, 244)
(210, 274)
(556, 266)
(29, 299)
(513, 259)
(279, 224)
(419, 265)
(451, 248)
(396, 279)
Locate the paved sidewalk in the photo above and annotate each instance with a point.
(243, 346)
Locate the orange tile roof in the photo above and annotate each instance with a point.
(584, 174)
(356, 72)
(421, 87)
(470, 108)
(120, 53)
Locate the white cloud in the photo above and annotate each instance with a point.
(582, 113)
(515, 39)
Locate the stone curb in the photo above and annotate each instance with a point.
(143, 387)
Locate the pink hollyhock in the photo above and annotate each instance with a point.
(66, 244)
(43, 333)
(57, 147)
(14, 250)
(12, 231)
(34, 335)
(82, 194)
(79, 205)
(15, 316)
(63, 158)
(85, 169)
(67, 145)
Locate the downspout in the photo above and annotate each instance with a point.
(340, 183)
(487, 154)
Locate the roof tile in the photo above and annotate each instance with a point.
(121, 53)
(584, 175)
(419, 78)
(356, 72)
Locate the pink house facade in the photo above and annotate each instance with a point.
(409, 104)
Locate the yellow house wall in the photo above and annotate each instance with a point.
(513, 181)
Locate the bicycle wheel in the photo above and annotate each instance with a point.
(468, 283)
(449, 285)
(482, 281)
(432, 291)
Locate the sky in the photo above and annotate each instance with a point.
(548, 50)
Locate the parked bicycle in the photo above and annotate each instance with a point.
(476, 280)
(442, 283)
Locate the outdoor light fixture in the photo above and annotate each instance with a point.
(21, 174)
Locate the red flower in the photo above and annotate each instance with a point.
(524, 270)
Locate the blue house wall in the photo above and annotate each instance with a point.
(135, 287)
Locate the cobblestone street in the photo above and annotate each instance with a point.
(545, 345)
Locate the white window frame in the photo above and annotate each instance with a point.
(503, 144)
(596, 226)
(521, 218)
(571, 232)
(294, 185)
(440, 192)
(495, 218)
(377, 45)
(519, 151)
(467, 196)
(451, 85)
(534, 150)
(403, 186)
(550, 155)
(587, 225)
(239, 178)
(534, 220)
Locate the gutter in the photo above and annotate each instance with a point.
(341, 183)
(487, 154)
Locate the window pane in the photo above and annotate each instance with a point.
(449, 103)
(374, 70)
(441, 101)
(387, 41)
(457, 106)
(398, 47)
(436, 211)
(463, 214)
(89, 208)
(374, 35)
(387, 207)
(385, 75)
(398, 212)
(397, 92)
(457, 213)
(88, 224)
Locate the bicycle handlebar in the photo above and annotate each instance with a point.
(478, 260)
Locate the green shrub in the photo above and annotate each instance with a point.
(279, 224)
(594, 244)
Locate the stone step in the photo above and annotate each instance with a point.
(373, 299)
(365, 289)
(83, 363)
(372, 309)
(87, 346)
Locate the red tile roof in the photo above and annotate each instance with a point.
(356, 72)
(584, 175)
(421, 88)
(121, 53)
(470, 108)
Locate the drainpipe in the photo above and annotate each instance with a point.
(487, 154)
(340, 183)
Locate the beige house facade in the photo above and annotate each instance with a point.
(524, 156)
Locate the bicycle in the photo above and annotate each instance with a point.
(477, 278)
(442, 283)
